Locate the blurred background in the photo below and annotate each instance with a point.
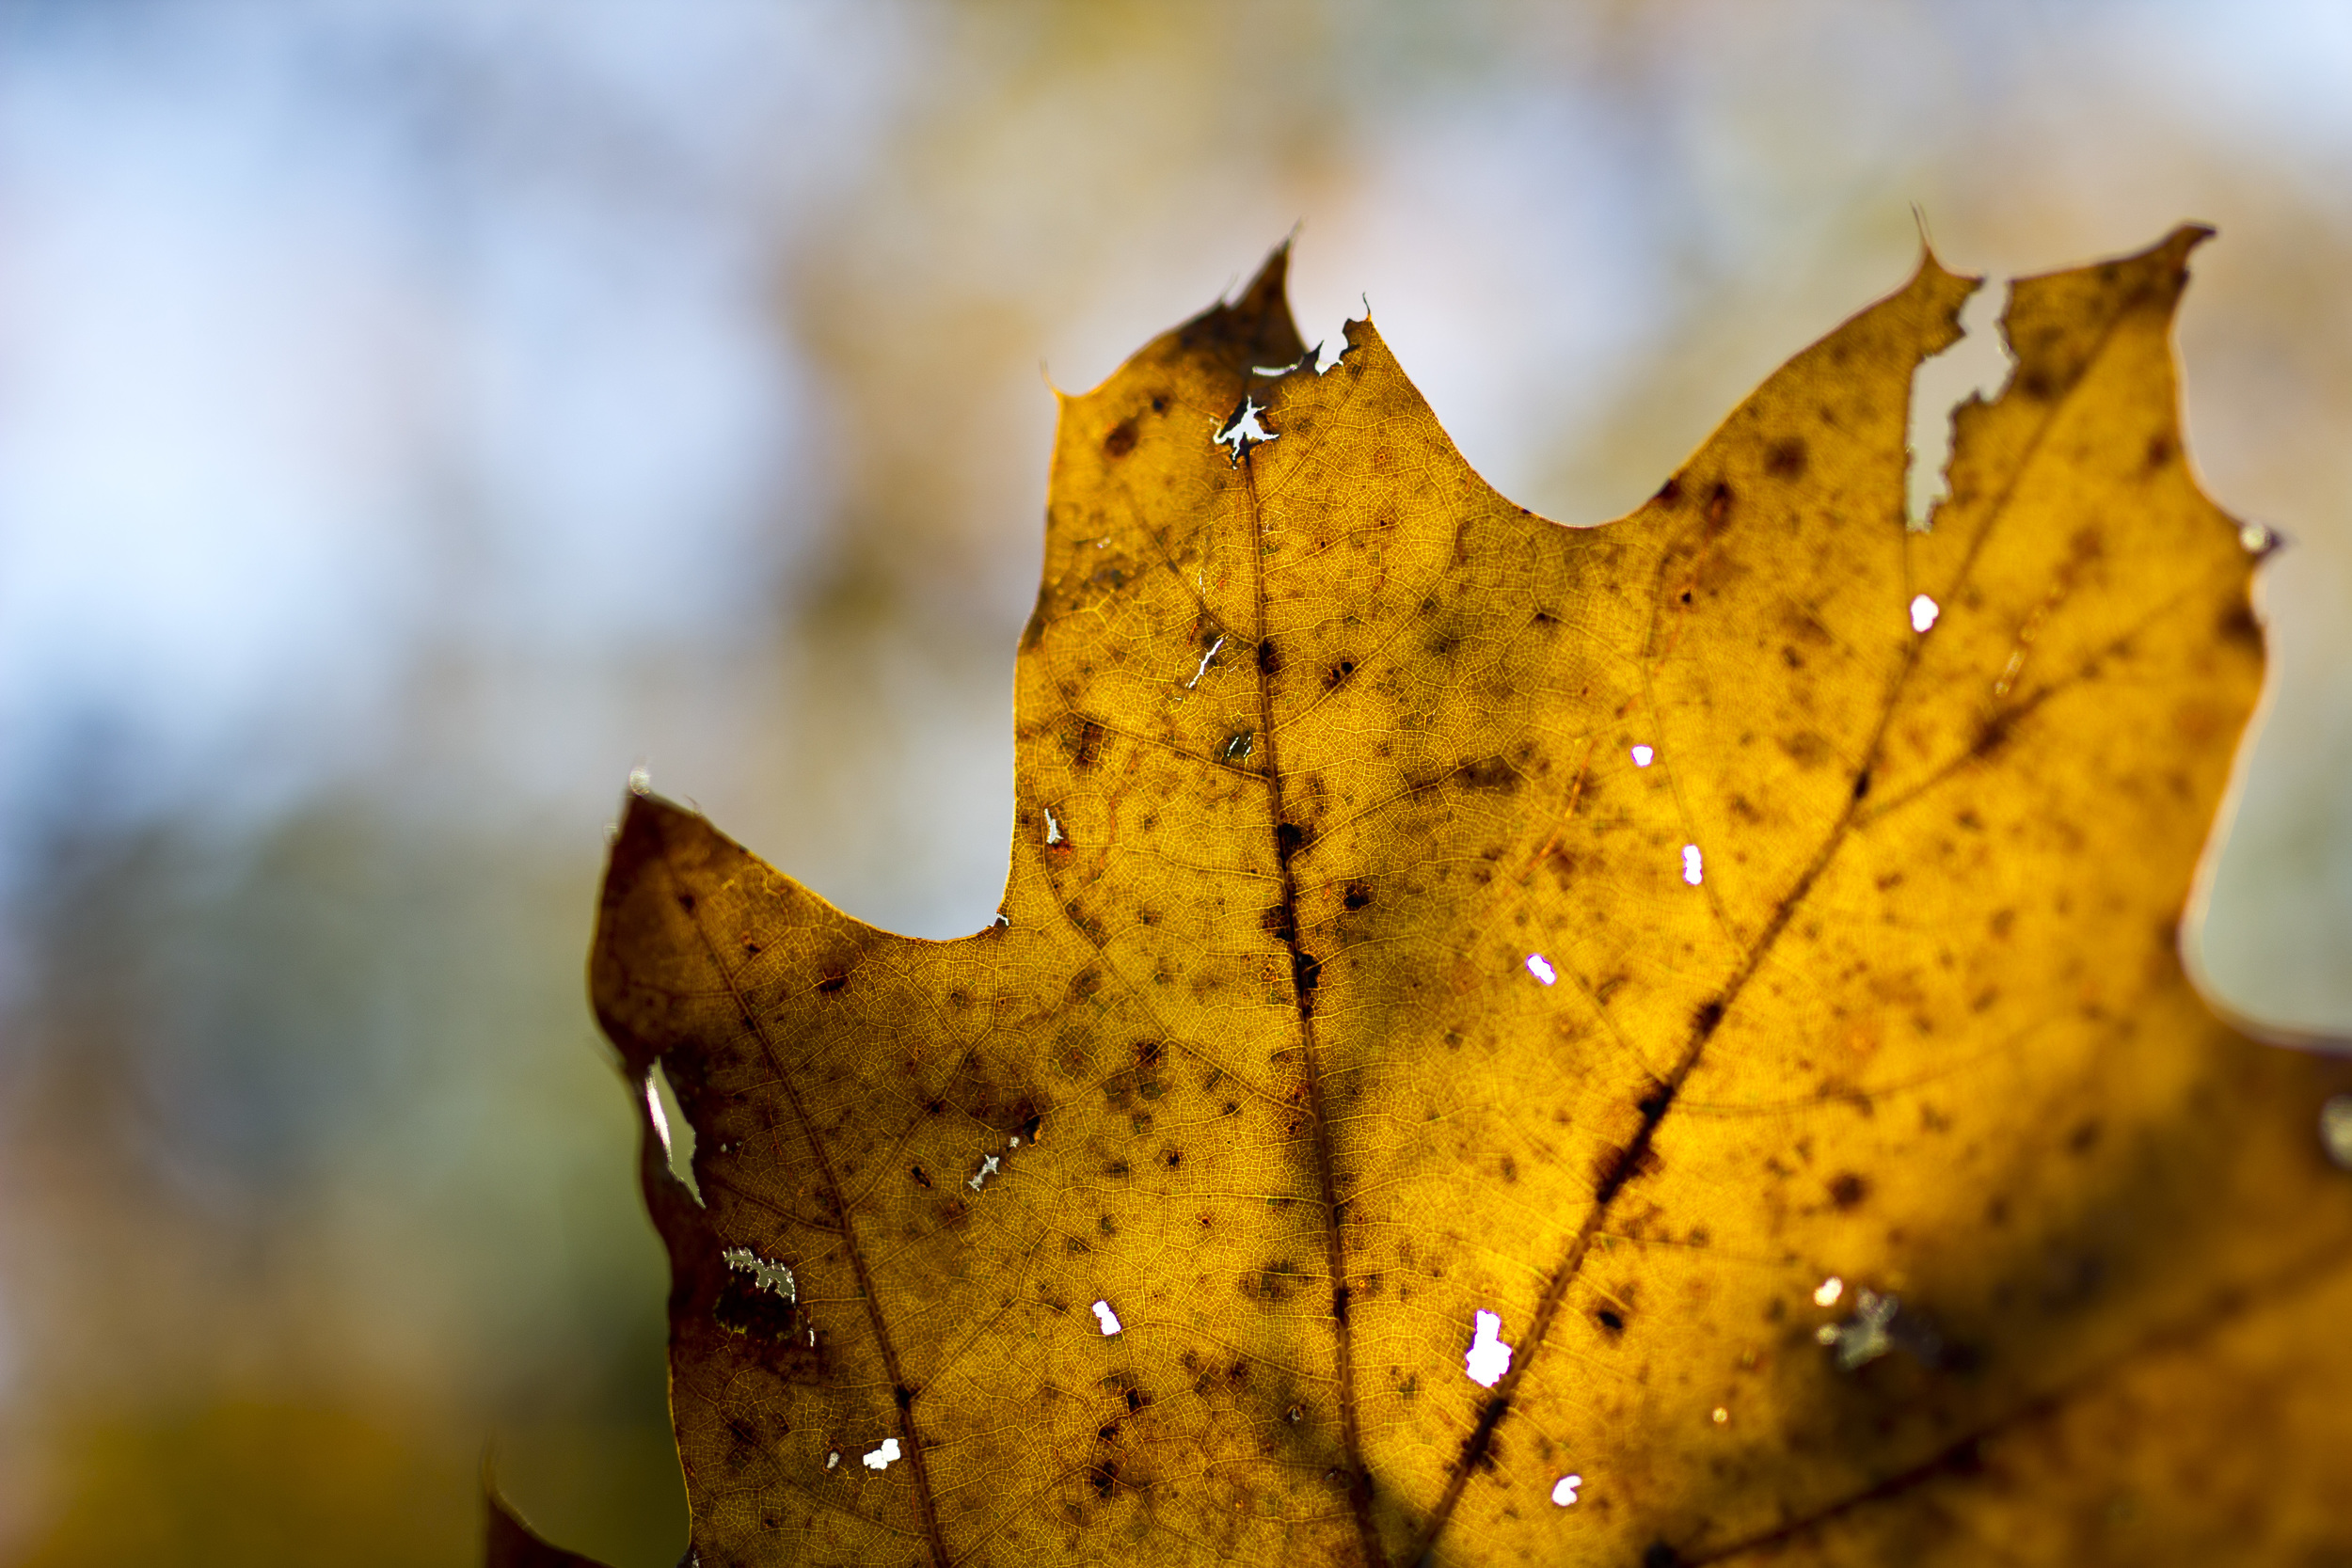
(416, 414)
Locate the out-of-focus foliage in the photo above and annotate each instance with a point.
(417, 413)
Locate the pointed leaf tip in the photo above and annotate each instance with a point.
(1255, 328)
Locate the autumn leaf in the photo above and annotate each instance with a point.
(1654, 1043)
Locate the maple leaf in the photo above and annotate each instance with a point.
(1653, 1043)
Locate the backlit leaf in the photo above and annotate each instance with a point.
(1507, 1043)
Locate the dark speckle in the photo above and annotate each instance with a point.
(1269, 658)
(1669, 493)
(1358, 893)
(1122, 440)
(1659, 1555)
(1612, 1319)
(1785, 458)
(833, 983)
(1718, 502)
(1846, 1190)
(1495, 773)
(2084, 1137)
(1993, 732)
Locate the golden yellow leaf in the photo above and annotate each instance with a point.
(1726, 956)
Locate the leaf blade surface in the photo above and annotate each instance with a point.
(1418, 909)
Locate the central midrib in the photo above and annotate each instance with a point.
(1335, 1248)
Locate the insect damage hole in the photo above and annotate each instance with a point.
(1541, 967)
(1108, 1319)
(771, 1275)
(1488, 1357)
(1053, 828)
(678, 1146)
(1694, 868)
(1923, 614)
(1564, 1490)
(1976, 366)
(1242, 430)
(1206, 659)
(879, 1459)
(1643, 756)
(988, 1167)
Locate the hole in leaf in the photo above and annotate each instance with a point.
(1976, 366)
(1108, 1319)
(1694, 870)
(1541, 967)
(670, 1124)
(1242, 430)
(1827, 1293)
(1564, 1490)
(774, 1276)
(1642, 756)
(879, 1459)
(1488, 1357)
(1206, 659)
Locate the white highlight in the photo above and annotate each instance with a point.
(832, 1460)
(1564, 1490)
(1722, 1415)
(879, 1459)
(2256, 538)
(1243, 431)
(660, 1120)
(641, 780)
(1827, 1293)
(1642, 756)
(1541, 967)
(1206, 659)
(1488, 1357)
(988, 1168)
(1694, 870)
(1053, 827)
(1108, 1319)
(776, 1276)
(1923, 614)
